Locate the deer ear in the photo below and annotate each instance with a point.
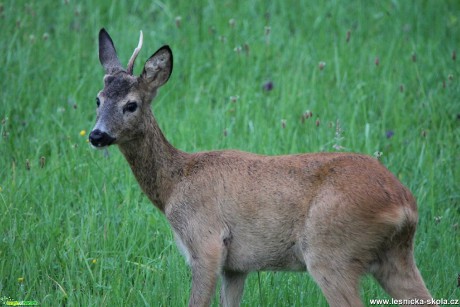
(158, 67)
(107, 53)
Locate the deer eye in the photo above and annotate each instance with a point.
(130, 107)
(98, 102)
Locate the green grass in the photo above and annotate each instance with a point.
(77, 231)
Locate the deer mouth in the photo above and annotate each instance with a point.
(100, 139)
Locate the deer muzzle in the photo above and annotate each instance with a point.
(100, 139)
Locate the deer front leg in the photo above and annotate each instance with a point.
(206, 263)
(232, 288)
(201, 238)
(203, 286)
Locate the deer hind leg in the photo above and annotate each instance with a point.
(396, 271)
(337, 251)
(339, 283)
(335, 268)
(232, 288)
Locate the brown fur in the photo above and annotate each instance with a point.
(337, 215)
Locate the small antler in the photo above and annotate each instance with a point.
(134, 56)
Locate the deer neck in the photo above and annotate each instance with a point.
(156, 164)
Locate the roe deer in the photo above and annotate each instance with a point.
(336, 215)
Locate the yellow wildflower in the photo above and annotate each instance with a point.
(94, 261)
(83, 132)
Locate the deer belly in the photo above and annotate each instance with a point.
(247, 256)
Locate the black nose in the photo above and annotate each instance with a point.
(100, 139)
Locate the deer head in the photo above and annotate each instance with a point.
(123, 105)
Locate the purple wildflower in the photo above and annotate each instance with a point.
(268, 86)
(389, 134)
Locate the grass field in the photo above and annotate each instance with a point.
(379, 77)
